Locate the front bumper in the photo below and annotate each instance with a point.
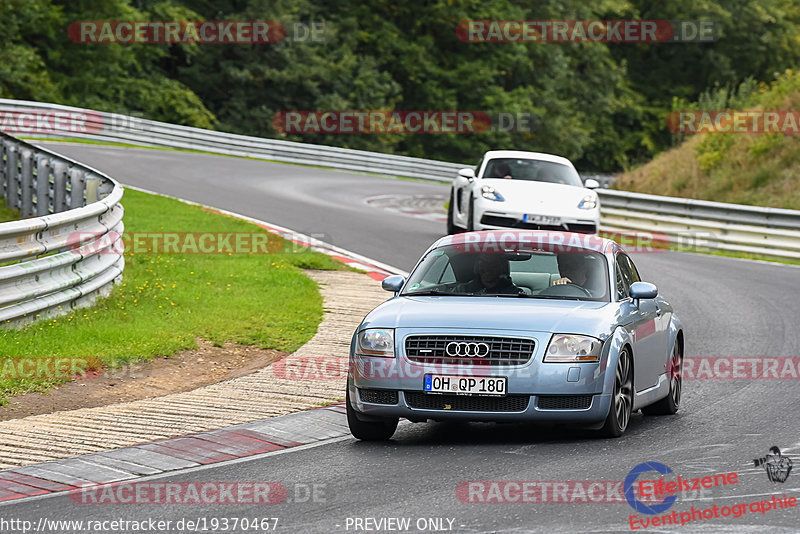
(536, 391)
(490, 216)
(595, 413)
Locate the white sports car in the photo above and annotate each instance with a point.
(530, 190)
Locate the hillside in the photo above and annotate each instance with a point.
(760, 169)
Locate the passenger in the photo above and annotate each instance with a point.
(492, 277)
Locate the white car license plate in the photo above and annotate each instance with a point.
(541, 219)
(466, 385)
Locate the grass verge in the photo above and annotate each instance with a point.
(7, 214)
(166, 301)
(759, 169)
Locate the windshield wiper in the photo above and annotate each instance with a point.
(512, 295)
(435, 292)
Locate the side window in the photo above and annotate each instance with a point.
(448, 276)
(624, 277)
(478, 167)
(439, 272)
(634, 271)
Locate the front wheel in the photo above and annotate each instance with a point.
(451, 226)
(619, 414)
(471, 216)
(369, 430)
(669, 405)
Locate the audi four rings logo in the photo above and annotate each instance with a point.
(481, 350)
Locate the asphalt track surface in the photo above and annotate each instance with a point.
(729, 308)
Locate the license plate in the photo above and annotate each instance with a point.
(541, 219)
(466, 385)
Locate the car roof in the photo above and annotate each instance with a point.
(492, 154)
(568, 240)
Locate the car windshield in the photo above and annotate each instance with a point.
(534, 170)
(512, 272)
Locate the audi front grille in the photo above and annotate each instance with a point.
(378, 396)
(474, 350)
(467, 403)
(564, 402)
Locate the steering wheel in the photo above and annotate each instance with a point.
(558, 290)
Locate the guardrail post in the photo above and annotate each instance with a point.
(76, 183)
(104, 189)
(92, 186)
(26, 183)
(59, 187)
(12, 175)
(42, 185)
(3, 168)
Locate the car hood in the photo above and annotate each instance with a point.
(539, 198)
(496, 313)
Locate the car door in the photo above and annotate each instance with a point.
(643, 329)
(663, 317)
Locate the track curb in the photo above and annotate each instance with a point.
(154, 457)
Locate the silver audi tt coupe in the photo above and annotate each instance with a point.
(535, 326)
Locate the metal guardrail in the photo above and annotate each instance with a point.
(102, 126)
(45, 269)
(702, 225)
(693, 224)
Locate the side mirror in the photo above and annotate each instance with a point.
(591, 183)
(643, 290)
(467, 173)
(394, 283)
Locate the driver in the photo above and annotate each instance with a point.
(492, 277)
(573, 269)
(502, 170)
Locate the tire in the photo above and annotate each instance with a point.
(368, 430)
(669, 405)
(619, 414)
(471, 216)
(451, 227)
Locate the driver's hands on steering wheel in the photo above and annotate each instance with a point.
(561, 281)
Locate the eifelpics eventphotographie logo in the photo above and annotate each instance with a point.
(775, 464)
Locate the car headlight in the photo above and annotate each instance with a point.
(569, 348)
(490, 193)
(375, 342)
(589, 202)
